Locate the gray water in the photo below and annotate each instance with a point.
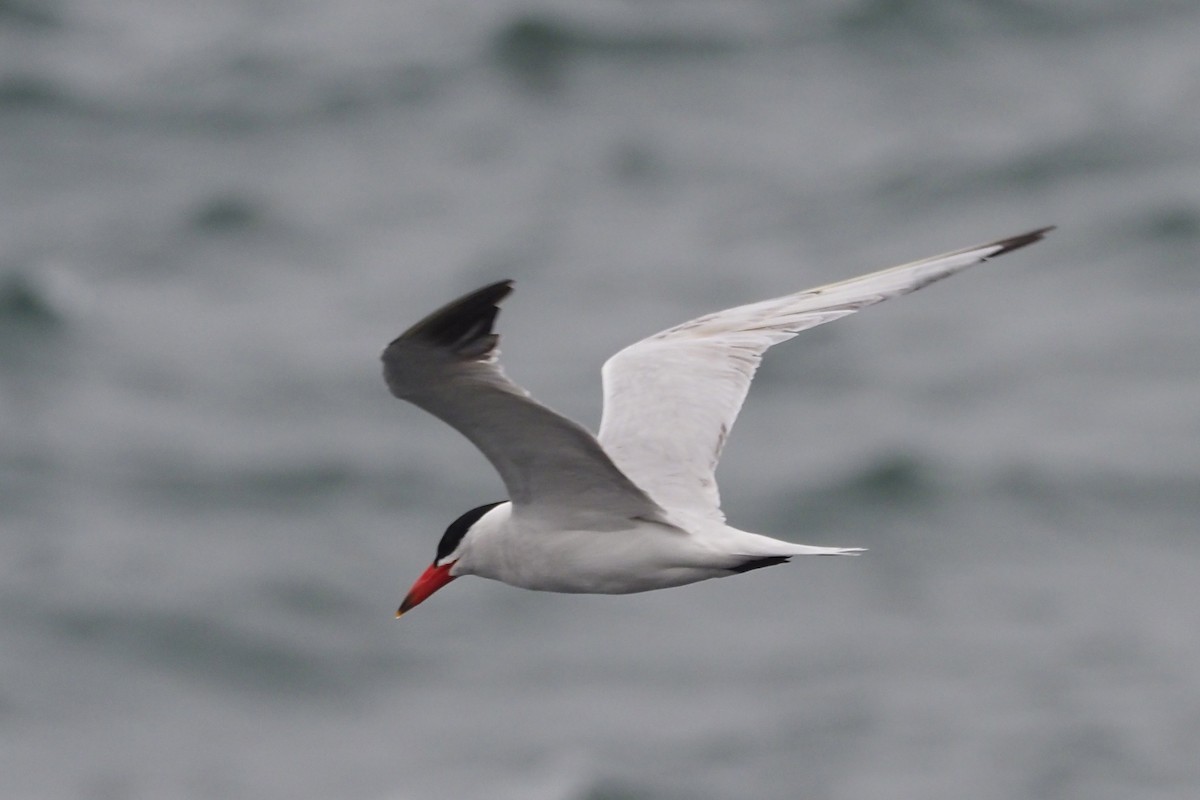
(214, 215)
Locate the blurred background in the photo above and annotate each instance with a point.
(214, 215)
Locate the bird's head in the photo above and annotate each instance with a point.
(450, 549)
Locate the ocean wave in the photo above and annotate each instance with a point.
(23, 14)
(1100, 488)
(896, 478)
(261, 80)
(21, 92)
(1168, 222)
(537, 48)
(227, 213)
(26, 302)
(184, 486)
(547, 36)
(200, 648)
(1040, 166)
(918, 485)
(884, 485)
(948, 23)
(223, 92)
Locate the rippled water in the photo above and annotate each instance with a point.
(212, 217)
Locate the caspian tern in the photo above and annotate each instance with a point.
(636, 507)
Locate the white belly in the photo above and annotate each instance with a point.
(638, 559)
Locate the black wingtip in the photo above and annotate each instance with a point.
(1017, 242)
(464, 325)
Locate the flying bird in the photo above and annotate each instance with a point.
(635, 507)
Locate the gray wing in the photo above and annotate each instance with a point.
(447, 365)
(671, 399)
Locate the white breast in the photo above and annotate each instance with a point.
(523, 552)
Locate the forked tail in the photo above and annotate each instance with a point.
(758, 562)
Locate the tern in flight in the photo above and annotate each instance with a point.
(635, 507)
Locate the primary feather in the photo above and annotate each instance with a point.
(447, 365)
